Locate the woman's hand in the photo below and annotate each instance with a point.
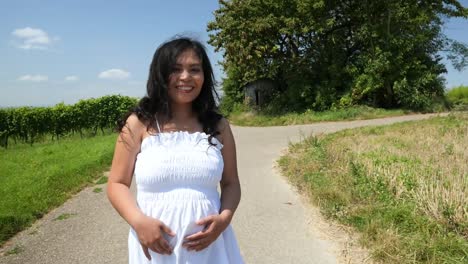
(151, 235)
(214, 226)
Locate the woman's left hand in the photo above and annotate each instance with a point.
(214, 226)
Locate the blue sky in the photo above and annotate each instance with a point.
(63, 51)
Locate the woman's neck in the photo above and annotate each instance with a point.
(182, 112)
(183, 118)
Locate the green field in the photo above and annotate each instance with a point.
(33, 180)
(243, 117)
(404, 187)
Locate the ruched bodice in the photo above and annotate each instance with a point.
(169, 160)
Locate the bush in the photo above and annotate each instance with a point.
(458, 97)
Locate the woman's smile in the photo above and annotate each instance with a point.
(184, 88)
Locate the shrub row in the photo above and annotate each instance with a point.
(27, 124)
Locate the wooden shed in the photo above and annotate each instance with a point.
(259, 92)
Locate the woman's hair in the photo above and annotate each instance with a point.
(157, 102)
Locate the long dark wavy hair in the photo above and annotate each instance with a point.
(156, 102)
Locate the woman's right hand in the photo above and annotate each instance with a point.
(150, 233)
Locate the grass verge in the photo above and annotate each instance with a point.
(404, 186)
(249, 118)
(34, 180)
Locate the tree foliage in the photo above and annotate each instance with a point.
(337, 53)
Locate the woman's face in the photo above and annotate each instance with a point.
(186, 78)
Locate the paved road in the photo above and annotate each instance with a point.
(272, 223)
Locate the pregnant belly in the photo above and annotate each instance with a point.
(180, 213)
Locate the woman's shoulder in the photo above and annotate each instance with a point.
(134, 125)
(224, 128)
(223, 123)
(134, 121)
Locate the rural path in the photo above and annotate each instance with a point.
(273, 224)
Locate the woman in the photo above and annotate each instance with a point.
(179, 148)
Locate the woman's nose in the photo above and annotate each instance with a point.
(184, 74)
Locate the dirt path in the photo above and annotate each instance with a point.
(273, 224)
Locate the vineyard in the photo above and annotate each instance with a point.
(29, 124)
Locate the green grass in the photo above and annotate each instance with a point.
(404, 187)
(458, 97)
(101, 180)
(250, 118)
(16, 250)
(34, 180)
(64, 216)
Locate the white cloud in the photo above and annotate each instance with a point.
(71, 78)
(33, 38)
(34, 78)
(114, 74)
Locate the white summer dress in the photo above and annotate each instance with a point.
(177, 174)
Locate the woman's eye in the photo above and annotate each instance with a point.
(195, 70)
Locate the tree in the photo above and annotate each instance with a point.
(324, 53)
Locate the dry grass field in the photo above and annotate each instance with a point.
(404, 186)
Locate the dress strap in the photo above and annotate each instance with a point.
(157, 124)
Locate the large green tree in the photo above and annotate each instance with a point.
(324, 53)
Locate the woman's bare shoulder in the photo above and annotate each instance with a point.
(224, 129)
(134, 121)
(134, 126)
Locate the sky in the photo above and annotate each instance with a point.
(54, 51)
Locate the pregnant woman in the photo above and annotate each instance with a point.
(178, 148)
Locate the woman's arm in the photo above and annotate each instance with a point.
(121, 173)
(230, 185)
(149, 230)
